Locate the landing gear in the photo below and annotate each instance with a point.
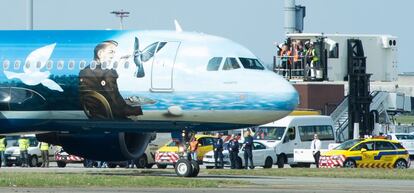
(185, 167)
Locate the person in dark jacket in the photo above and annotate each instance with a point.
(234, 151)
(248, 150)
(218, 151)
(96, 81)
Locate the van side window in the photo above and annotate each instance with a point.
(325, 132)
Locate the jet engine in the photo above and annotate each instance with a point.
(103, 146)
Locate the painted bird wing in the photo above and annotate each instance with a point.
(52, 85)
(39, 56)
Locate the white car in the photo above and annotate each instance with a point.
(406, 140)
(263, 156)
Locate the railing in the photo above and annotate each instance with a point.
(301, 69)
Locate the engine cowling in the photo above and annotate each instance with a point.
(104, 147)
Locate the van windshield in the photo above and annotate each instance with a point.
(269, 133)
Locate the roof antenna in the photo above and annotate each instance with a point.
(177, 26)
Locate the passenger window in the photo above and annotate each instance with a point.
(214, 63)
(257, 146)
(49, 64)
(115, 65)
(71, 65)
(325, 132)
(17, 64)
(383, 145)
(231, 64)
(93, 65)
(126, 65)
(208, 141)
(82, 64)
(104, 65)
(6, 64)
(27, 65)
(38, 64)
(60, 64)
(369, 146)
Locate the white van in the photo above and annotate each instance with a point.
(295, 132)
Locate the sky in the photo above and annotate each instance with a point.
(254, 24)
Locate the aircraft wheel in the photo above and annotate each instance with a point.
(183, 168)
(196, 168)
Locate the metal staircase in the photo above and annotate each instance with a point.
(340, 114)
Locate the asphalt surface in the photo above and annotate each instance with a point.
(255, 184)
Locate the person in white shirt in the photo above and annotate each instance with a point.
(316, 149)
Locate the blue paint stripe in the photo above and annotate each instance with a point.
(384, 153)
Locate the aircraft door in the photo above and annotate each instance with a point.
(162, 68)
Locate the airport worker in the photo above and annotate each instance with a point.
(233, 150)
(23, 146)
(285, 53)
(44, 148)
(3, 145)
(316, 149)
(248, 150)
(193, 148)
(218, 151)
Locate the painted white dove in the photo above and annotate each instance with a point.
(31, 74)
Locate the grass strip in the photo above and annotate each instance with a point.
(406, 174)
(27, 179)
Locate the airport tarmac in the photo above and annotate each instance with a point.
(257, 184)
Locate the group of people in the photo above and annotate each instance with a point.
(233, 148)
(24, 145)
(295, 58)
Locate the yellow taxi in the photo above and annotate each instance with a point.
(366, 153)
(171, 151)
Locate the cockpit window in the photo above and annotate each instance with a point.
(214, 63)
(250, 63)
(231, 64)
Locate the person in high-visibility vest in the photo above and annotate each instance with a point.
(23, 146)
(44, 148)
(3, 144)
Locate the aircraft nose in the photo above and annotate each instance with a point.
(287, 93)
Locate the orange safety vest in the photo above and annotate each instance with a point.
(193, 145)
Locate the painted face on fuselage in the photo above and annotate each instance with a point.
(107, 53)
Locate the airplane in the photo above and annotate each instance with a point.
(102, 94)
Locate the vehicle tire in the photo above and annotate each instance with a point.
(196, 168)
(111, 165)
(33, 161)
(161, 166)
(209, 167)
(141, 162)
(268, 163)
(400, 164)
(281, 160)
(349, 164)
(9, 165)
(61, 164)
(183, 168)
(239, 163)
(149, 166)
